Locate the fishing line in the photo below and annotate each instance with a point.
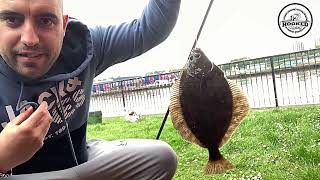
(62, 113)
(194, 45)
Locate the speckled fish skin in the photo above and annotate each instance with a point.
(206, 108)
(206, 101)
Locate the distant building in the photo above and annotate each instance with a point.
(133, 82)
(125, 78)
(298, 46)
(317, 43)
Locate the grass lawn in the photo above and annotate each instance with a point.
(273, 144)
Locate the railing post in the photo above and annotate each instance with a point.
(123, 99)
(274, 82)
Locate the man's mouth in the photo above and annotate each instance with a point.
(29, 56)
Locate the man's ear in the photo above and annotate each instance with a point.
(65, 22)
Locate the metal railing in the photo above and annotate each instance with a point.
(280, 80)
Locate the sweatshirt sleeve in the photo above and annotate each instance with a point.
(115, 44)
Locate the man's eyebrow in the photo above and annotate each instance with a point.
(48, 15)
(7, 13)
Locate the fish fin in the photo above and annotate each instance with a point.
(217, 166)
(240, 109)
(177, 116)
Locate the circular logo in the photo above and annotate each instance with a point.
(295, 20)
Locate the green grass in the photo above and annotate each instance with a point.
(271, 144)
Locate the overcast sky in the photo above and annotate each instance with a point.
(234, 29)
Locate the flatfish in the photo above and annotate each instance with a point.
(206, 108)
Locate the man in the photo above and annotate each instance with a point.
(47, 66)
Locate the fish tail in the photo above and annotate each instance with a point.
(218, 166)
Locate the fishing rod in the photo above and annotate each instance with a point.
(194, 45)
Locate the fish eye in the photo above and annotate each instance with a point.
(191, 58)
(197, 55)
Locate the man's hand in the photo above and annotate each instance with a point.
(23, 136)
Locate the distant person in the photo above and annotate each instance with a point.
(48, 63)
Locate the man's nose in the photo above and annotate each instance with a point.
(29, 35)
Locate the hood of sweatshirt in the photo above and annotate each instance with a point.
(65, 87)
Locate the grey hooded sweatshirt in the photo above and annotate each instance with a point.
(66, 87)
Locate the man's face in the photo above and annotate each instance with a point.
(31, 34)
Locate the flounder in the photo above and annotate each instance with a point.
(206, 108)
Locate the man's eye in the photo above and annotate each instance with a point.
(45, 22)
(13, 21)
